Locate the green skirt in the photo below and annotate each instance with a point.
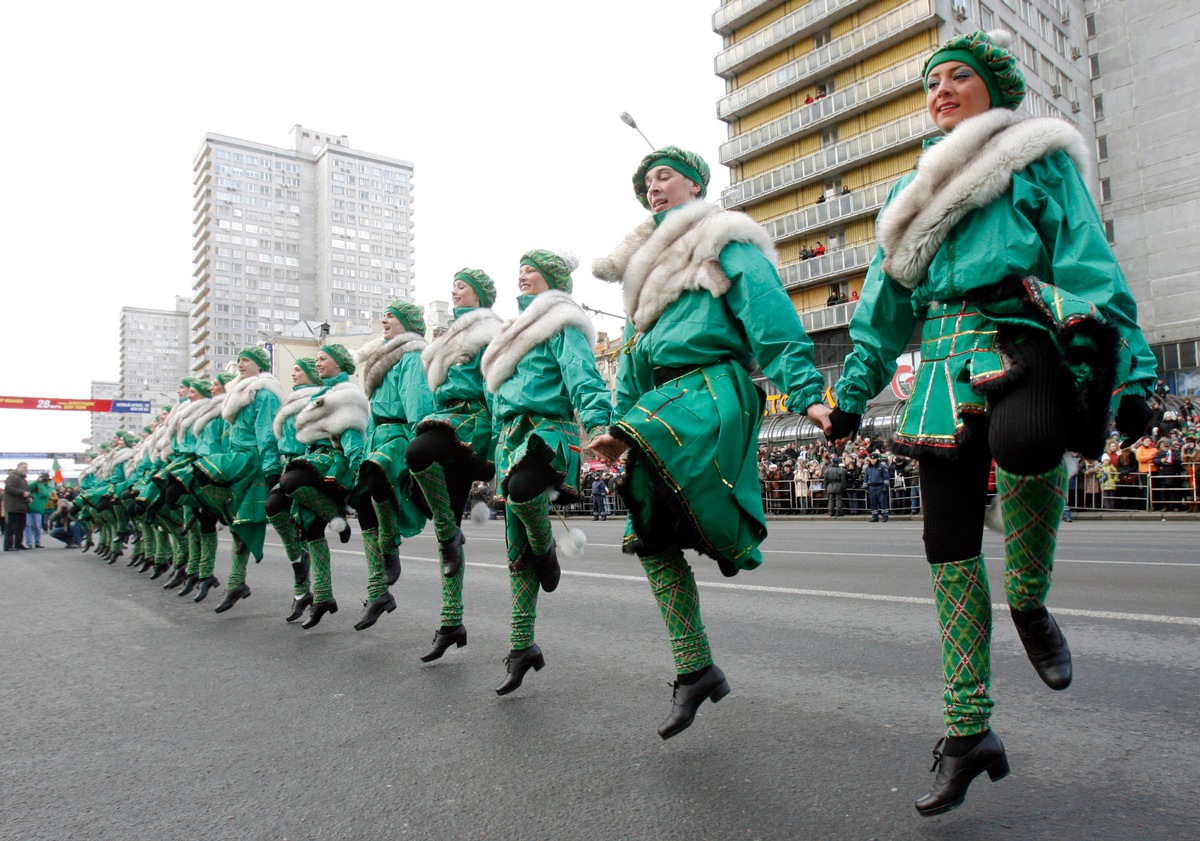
(538, 440)
(971, 349)
(386, 451)
(695, 443)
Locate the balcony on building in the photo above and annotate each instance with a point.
(887, 139)
(827, 318)
(803, 23)
(855, 46)
(832, 266)
(738, 13)
(841, 104)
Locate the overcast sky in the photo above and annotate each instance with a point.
(507, 110)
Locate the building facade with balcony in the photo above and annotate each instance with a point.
(826, 111)
(154, 356)
(321, 232)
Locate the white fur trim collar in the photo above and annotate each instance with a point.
(972, 167)
(240, 393)
(295, 401)
(656, 264)
(341, 407)
(376, 357)
(458, 345)
(547, 315)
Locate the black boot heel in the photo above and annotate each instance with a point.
(686, 699)
(442, 640)
(518, 663)
(955, 773)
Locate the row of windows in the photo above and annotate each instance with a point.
(254, 160)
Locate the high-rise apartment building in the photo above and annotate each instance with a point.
(318, 232)
(1143, 101)
(826, 110)
(154, 355)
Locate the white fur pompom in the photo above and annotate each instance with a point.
(338, 524)
(569, 258)
(1000, 37)
(605, 269)
(479, 513)
(552, 494)
(572, 543)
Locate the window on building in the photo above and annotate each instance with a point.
(822, 38)
(1105, 189)
(1089, 25)
(1094, 65)
(1110, 232)
(1102, 148)
(1098, 107)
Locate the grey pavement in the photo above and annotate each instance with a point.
(129, 713)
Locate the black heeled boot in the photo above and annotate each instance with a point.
(443, 639)
(687, 698)
(175, 578)
(241, 591)
(548, 570)
(206, 584)
(299, 603)
(391, 565)
(147, 564)
(1046, 646)
(452, 555)
(159, 570)
(955, 773)
(518, 662)
(373, 609)
(318, 610)
(135, 560)
(189, 584)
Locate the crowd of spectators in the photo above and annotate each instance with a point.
(37, 507)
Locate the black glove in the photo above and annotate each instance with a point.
(844, 424)
(272, 481)
(1133, 415)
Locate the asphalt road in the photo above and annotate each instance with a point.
(128, 713)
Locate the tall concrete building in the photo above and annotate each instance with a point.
(318, 232)
(1142, 59)
(826, 110)
(154, 355)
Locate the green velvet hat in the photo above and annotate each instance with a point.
(409, 314)
(688, 164)
(340, 355)
(200, 384)
(257, 355)
(555, 267)
(483, 285)
(987, 54)
(225, 377)
(308, 365)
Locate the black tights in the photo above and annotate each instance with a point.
(442, 446)
(296, 476)
(1025, 432)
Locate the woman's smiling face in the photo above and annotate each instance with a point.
(954, 93)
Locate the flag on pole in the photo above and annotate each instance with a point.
(58, 479)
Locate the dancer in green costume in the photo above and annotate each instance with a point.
(1029, 341)
(211, 431)
(233, 485)
(704, 307)
(400, 399)
(331, 426)
(305, 383)
(454, 444)
(173, 526)
(541, 372)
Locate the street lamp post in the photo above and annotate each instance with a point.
(628, 120)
